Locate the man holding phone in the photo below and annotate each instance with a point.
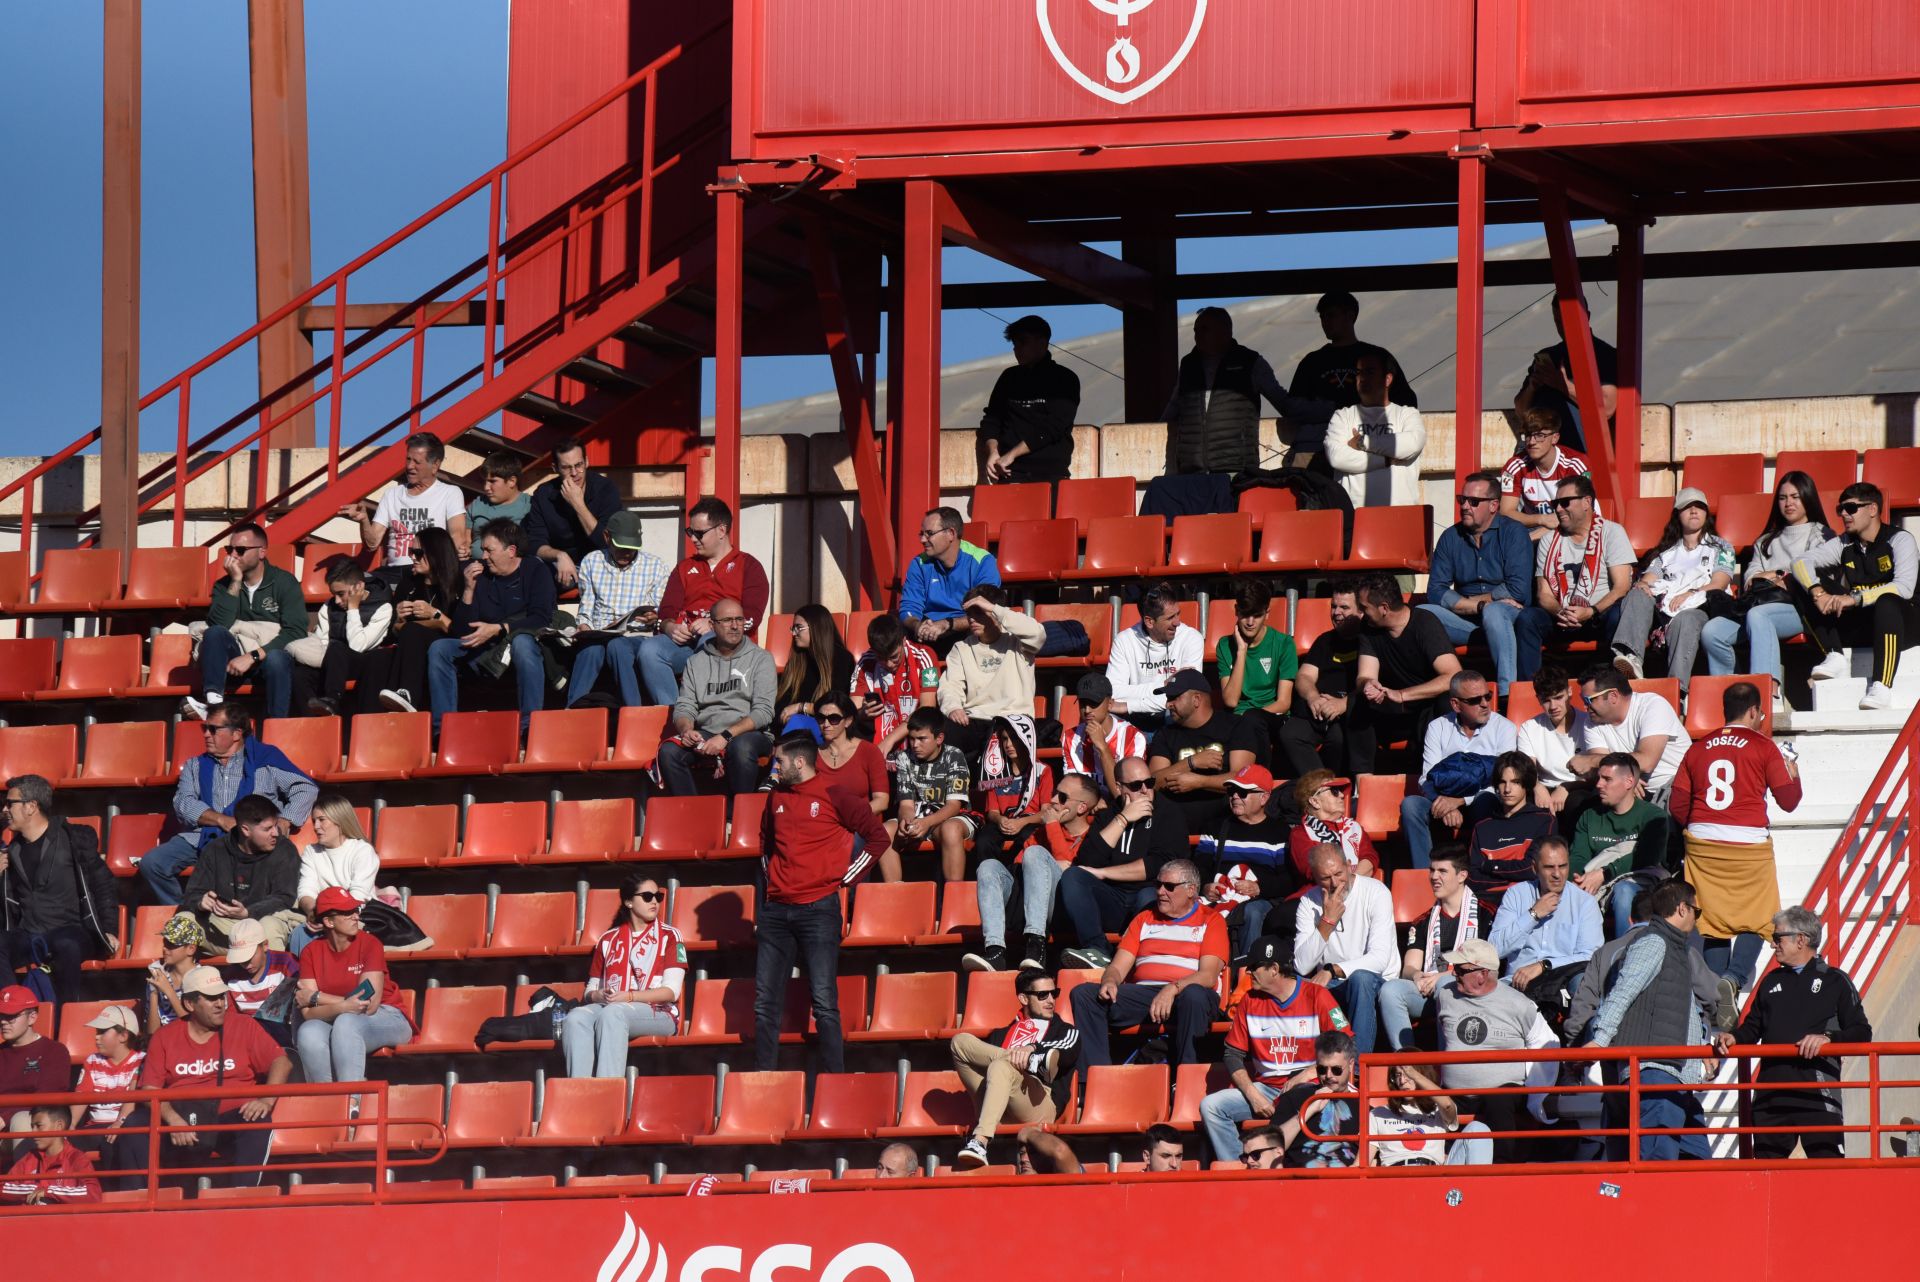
(249, 872)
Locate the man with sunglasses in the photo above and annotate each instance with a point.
(234, 765)
(1264, 1149)
(1022, 1071)
(1858, 589)
(1318, 1110)
(723, 711)
(1274, 1029)
(1532, 476)
(1034, 873)
(714, 570)
(257, 611)
(1131, 841)
(56, 892)
(1581, 572)
(933, 595)
(1482, 575)
(1479, 1013)
(1471, 728)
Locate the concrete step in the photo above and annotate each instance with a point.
(1843, 693)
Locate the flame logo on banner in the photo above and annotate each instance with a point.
(629, 1256)
(1123, 59)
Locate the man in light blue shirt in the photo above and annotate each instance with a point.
(1482, 574)
(940, 580)
(1547, 922)
(1472, 726)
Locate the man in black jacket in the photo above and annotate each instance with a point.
(1023, 1070)
(1028, 421)
(567, 516)
(251, 870)
(1806, 1003)
(1113, 878)
(54, 888)
(508, 596)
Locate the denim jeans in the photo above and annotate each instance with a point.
(1733, 958)
(622, 654)
(595, 1037)
(1669, 1109)
(810, 932)
(662, 660)
(446, 660)
(1471, 1152)
(274, 674)
(160, 867)
(1766, 627)
(1095, 906)
(1416, 823)
(1496, 621)
(1221, 1114)
(1095, 1020)
(1035, 876)
(1620, 906)
(1359, 996)
(741, 765)
(1400, 1006)
(1535, 627)
(336, 1050)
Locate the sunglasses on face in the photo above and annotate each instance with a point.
(1252, 1156)
(1471, 500)
(831, 719)
(1333, 788)
(1136, 785)
(1043, 994)
(1170, 886)
(697, 535)
(1468, 970)
(1474, 700)
(650, 896)
(238, 549)
(1849, 508)
(1561, 505)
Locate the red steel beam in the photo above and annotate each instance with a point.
(1569, 299)
(119, 282)
(282, 240)
(1052, 257)
(728, 332)
(1629, 338)
(1470, 314)
(917, 443)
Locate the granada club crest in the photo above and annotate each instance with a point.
(1120, 50)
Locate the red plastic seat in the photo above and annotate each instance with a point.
(1293, 542)
(994, 505)
(852, 1106)
(143, 937)
(309, 1125)
(778, 641)
(744, 827)
(27, 666)
(1121, 1098)
(714, 917)
(1896, 471)
(580, 1112)
(1037, 551)
(932, 1104)
(602, 903)
(1716, 475)
(538, 924)
(332, 1188)
(590, 831)
(1523, 701)
(1831, 470)
(94, 667)
(669, 1110)
(1645, 520)
(1096, 619)
(16, 573)
(1391, 538)
(415, 1117)
(171, 671)
(489, 1114)
(131, 837)
(1122, 547)
(1068, 980)
(911, 1007)
(760, 1108)
(1706, 708)
(320, 558)
(474, 743)
(456, 924)
(387, 746)
(49, 751)
(449, 1018)
(418, 836)
(636, 741)
(122, 755)
(1216, 544)
(1263, 501)
(1312, 616)
(1085, 500)
(889, 915)
(723, 1010)
(1191, 1084)
(1376, 804)
(1412, 895)
(312, 743)
(74, 581)
(959, 915)
(239, 1193)
(1740, 518)
(991, 1003)
(74, 1033)
(857, 624)
(683, 827)
(517, 1183)
(569, 739)
(504, 832)
(166, 579)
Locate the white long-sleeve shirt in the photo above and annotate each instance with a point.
(352, 865)
(1363, 940)
(1384, 470)
(1138, 665)
(361, 637)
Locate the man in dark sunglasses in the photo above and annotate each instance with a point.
(1857, 590)
(1581, 571)
(1470, 726)
(1045, 851)
(1482, 575)
(257, 611)
(1022, 1071)
(1131, 840)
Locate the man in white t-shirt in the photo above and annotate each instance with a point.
(1642, 725)
(1149, 652)
(419, 500)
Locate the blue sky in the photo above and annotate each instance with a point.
(396, 124)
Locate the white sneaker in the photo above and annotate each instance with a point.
(1832, 668)
(1628, 664)
(193, 709)
(397, 701)
(1878, 696)
(973, 1154)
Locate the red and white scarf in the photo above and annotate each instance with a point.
(1346, 836)
(1585, 588)
(635, 960)
(1469, 928)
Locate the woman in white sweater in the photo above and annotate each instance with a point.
(1797, 525)
(1375, 446)
(340, 855)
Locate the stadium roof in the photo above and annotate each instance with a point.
(1707, 338)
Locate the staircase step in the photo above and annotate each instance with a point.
(654, 336)
(482, 441)
(601, 374)
(547, 410)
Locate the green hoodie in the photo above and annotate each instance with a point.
(278, 599)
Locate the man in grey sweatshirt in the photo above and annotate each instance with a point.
(725, 709)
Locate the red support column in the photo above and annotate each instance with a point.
(282, 250)
(120, 286)
(1470, 314)
(1629, 337)
(1579, 335)
(728, 336)
(917, 450)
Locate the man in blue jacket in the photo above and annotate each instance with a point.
(508, 597)
(941, 578)
(1482, 575)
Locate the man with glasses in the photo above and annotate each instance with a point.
(1858, 589)
(1806, 1004)
(620, 588)
(30, 1064)
(1581, 571)
(1482, 575)
(1034, 873)
(1148, 653)
(1167, 971)
(1471, 727)
(1318, 1110)
(257, 611)
(1343, 938)
(1640, 723)
(725, 705)
(933, 596)
(213, 1044)
(1532, 476)
(234, 765)
(507, 599)
(56, 892)
(1264, 1149)
(1131, 842)
(567, 520)
(1479, 1013)
(1274, 1029)
(1022, 1071)
(715, 569)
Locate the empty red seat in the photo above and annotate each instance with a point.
(580, 1112)
(1706, 709)
(1191, 1084)
(75, 580)
(474, 743)
(49, 751)
(1645, 519)
(1831, 470)
(890, 915)
(1376, 804)
(1084, 500)
(27, 666)
(456, 923)
(1741, 517)
(1068, 980)
(1718, 474)
(723, 1010)
(388, 745)
(1122, 547)
(669, 1110)
(122, 754)
(636, 739)
(1412, 895)
(590, 831)
(538, 924)
(1896, 471)
(683, 827)
(95, 667)
(489, 1114)
(760, 1108)
(852, 1106)
(1096, 619)
(1301, 541)
(166, 579)
(1037, 551)
(171, 671)
(308, 1125)
(449, 1018)
(911, 1007)
(129, 838)
(418, 836)
(1121, 1098)
(932, 1104)
(994, 505)
(312, 743)
(991, 1002)
(1263, 501)
(959, 915)
(568, 739)
(504, 832)
(143, 944)
(1311, 617)
(711, 917)
(744, 827)
(1217, 544)
(15, 573)
(1391, 538)
(415, 1117)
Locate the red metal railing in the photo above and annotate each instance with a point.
(580, 219)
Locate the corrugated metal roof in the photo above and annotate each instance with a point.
(1708, 338)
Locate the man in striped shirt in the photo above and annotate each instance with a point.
(1103, 739)
(1167, 971)
(1271, 1039)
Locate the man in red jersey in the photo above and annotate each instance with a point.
(716, 571)
(1720, 798)
(1532, 476)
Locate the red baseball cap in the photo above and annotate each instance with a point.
(334, 900)
(16, 998)
(1254, 778)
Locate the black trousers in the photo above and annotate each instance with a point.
(1796, 1108)
(399, 665)
(67, 947)
(1888, 625)
(1307, 743)
(1374, 724)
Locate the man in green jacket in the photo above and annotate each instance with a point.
(1624, 833)
(257, 610)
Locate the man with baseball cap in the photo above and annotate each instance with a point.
(620, 589)
(1247, 853)
(213, 1044)
(1200, 748)
(1479, 1013)
(1103, 739)
(253, 971)
(29, 1063)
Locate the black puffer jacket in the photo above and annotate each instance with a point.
(71, 887)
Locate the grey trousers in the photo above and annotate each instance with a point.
(1640, 614)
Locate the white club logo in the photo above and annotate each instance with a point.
(629, 1256)
(627, 1259)
(1123, 64)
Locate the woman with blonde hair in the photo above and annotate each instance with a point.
(340, 855)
